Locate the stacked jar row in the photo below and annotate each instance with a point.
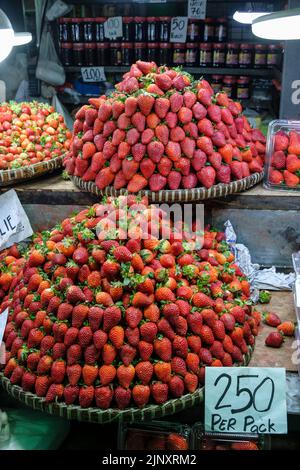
(235, 87)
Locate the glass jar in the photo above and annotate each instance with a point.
(205, 54)
(127, 29)
(165, 53)
(164, 28)
(218, 55)
(216, 83)
(178, 53)
(77, 30)
(90, 53)
(152, 51)
(66, 53)
(78, 54)
(208, 30)
(221, 30)
(273, 55)
(127, 53)
(89, 29)
(193, 30)
(65, 29)
(191, 54)
(243, 88)
(99, 29)
(245, 55)
(260, 56)
(152, 28)
(139, 28)
(115, 53)
(102, 53)
(140, 51)
(232, 55)
(229, 85)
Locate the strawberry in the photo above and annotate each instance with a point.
(145, 350)
(89, 374)
(228, 320)
(223, 175)
(165, 294)
(228, 344)
(163, 348)
(174, 179)
(162, 133)
(111, 317)
(88, 150)
(281, 141)
(141, 300)
(206, 335)
(204, 97)
(180, 346)
(145, 103)
(155, 151)
(292, 163)
(127, 354)
(148, 331)
(171, 120)
(73, 373)
(137, 183)
(287, 328)
(125, 375)
(279, 160)
(103, 397)
(207, 176)
(144, 371)
(216, 350)
(141, 395)
(73, 354)
(159, 392)
(162, 371)
(275, 177)
(147, 167)
(274, 339)
(161, 107)
(176, 442)
(244, 445)
(165, 328)
(190, 382)
(71, 394)
(74, 295)
(271, 319)
(176, 102)
(55, 392)
(122, 397)
(116, 336)
(28, 381)
(130, 105)
(290, 179)
(139, 121)
(176, 386)
(163, 81)
(199, 111)
(86, 396)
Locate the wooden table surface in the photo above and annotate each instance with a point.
(281, 303)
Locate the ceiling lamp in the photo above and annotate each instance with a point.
(247, 17)
(281, 25)
(22, 38)
(8, 38)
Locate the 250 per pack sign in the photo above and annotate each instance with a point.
(245, 400)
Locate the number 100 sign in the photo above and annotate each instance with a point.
(245, 400)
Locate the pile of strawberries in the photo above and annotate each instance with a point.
(111, 316)
(285, 160)
(161, 129)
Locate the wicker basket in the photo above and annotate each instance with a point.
(9, 177)
(178, 195)
(96, 415)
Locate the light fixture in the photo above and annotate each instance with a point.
(6, 36)
(22, 38)
(247, 17)
(281, 25)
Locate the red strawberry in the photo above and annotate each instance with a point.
(137, 183)
(74, 373)
(204, 96)
(141, 395)
(162, 133)
(126, 375)
(194, 343)
(164, 327)
(290, 179)
(145, 103)
(159, 392)
(176, 386)
(162, 371)
(223, 175)
(145, 350)
(111, 317)
(174, 179)
(199, 111)
(191, 382)
(180, 346)
(147, 167)
(144, 371)
(107, 373)
(155, 151)
(161, 107)
(122, 397)
(217, 350)
(127, 354)
(281, 141)
(163, 348)
(55, 392)
(207, 335)
(171, 120)
(275, 177)
(279, 160)
(176, 102)
(103, 397)
(274, 339)
(157, 182)
(163, 81)
(86, 396)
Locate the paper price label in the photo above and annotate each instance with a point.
(14, 223)
(178, 29)
(93, 74)
(113, 27)
(245, 400)
(197, 9)
(3, 320)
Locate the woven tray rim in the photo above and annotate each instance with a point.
(96, 415)
(178, 195)
(8, 177)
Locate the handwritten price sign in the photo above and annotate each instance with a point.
(93, 74)
(113, 27)
(197, 9)
(14, 223)
(178, 29)
(245, 400)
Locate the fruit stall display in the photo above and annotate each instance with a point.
(119, 319)
(33, 139)
(163, 130)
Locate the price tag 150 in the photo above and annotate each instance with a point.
(178, 29)
(93, 74)
(197, 9)
(113, 27)
(245, 400)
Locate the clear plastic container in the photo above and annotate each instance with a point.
(282, 164)
(202, 440)
(154, 435)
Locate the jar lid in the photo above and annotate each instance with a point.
(191, 45)
(194, 20)
(219, 45)
(102, 45)
(139, 19)
(229, 79)
(243, 80)
(208, 20)
(150, 19)
(165, 45)
(217, 77)
(222, 20)
(232, 45)
(246, 46)
(77, 20)
(127, 19)
(65, 20)
(89, 20)
(90, 45)
(126, 45)
(152, 44)
(260, 46)
(66, 45)
(78, 46)
(205, 45)
(140, 45)
(165, 18)
(178, 45)
(115, 44)
(100, 19)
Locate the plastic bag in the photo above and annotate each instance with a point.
(59, 108)
(59, 8)
(49, 69)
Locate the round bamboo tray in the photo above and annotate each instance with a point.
(9, 177)
(96, 415)
(178, 195)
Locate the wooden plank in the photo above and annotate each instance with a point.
(263, 356)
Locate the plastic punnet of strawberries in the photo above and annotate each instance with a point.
(31, 133)
(161, 129)
(112, 317)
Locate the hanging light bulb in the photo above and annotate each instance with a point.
(6, 36)
(22, 38)
(282, 25)
(247, 17)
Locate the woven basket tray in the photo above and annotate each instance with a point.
(178, 195)
(8, 177)
(95, 415)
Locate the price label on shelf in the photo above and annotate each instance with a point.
(245, 400)
(93, 74)
(178, 29)
(197, 9)
(113, 27)
(14, 223)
